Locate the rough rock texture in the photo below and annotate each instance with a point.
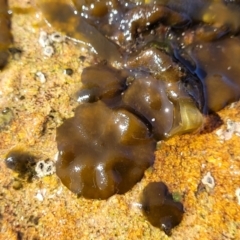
(45, 209)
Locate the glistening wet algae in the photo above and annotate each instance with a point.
(157, 109)
(153, 66)
(160, 208)
(217, 66)
(108, 154)
(177, 178)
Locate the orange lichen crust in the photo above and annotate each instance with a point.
(45, 209)
(184, 161)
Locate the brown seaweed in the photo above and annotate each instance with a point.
(5, 33)
(166, 54)
(159, 207)
(103, 151)
(217, 65)
(76, 27)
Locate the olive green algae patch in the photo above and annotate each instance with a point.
(45, 209)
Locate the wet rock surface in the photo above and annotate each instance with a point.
(45, 209)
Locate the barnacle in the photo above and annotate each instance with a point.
(44, 168)
(208, 181)
(103, 151)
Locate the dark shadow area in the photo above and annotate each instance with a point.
(212, 122)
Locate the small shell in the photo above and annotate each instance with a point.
(57, 37)
(41, 77)
(208, 180)
(45, 168)
(48, 51)
(44, 39)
